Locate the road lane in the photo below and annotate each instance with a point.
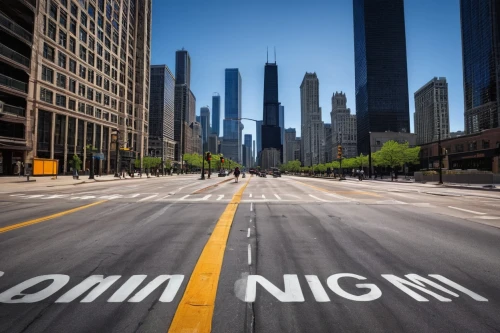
(369, 240)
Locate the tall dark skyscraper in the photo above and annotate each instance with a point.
(183, 67)
(381, 75)
(216, 114)
(480, 23)
(271, 131)
(205, 125)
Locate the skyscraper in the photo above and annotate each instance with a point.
(231, 145)
(216, 114)
(431, 111)
(183, 67)
(258, 131)
(205, 125)
(161, 113)
(76, 102)
(184, 106)
(290, 138)
(312, 128)
(344, 127)
(271, 132)
(282, 129)
(247, 151)
(480, 25)
(381, 76)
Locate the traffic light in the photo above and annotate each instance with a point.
(209, 157)
(339, 152)
(222, 159)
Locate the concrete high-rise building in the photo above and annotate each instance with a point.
(312, 127)
(161, 113)
(344, 127)
(196, 138)
(297, 154)
(480, 26)
(81, 87)
(271, 131)
(270, 158)
(232, 142)
(290, 137)
(381, 75)
(205, 125)
(432, 112)
(216, 114)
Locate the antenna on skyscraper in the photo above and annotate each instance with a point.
(275, 54)
(267, 61)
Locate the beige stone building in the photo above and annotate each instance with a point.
(88, 76)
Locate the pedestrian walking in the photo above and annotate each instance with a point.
(236, 174)
(361, 174)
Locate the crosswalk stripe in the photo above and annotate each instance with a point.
(150, 197)
(184, 197)
(277, 196)
(220, 197)
(206, 197)
(263, 196)
(312, 196)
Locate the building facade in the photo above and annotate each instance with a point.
(161, 113)
(213, 143)
(216, 114)
(270, 158)
(271, 131)
(205, 125)
(290, 137)
(480, 150)
(17, 36)
(184, 107)
(328, 151)
(258, 133)
(344, 127)
(232, 114)
(312, 127)
(282, 129)
(432, 113)
(480, 27)
(247, 151)
(89, 76)
(381, 77)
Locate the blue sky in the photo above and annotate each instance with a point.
(309, 36)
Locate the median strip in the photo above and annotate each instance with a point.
(46, 218)
(195, 310)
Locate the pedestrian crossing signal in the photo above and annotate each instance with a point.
(339, 152)
(209, 157)
(222, 159)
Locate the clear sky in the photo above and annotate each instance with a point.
(309, 36)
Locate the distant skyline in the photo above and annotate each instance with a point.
(324, 45)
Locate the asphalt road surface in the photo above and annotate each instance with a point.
(289, 254)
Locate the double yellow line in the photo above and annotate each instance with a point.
(196, 308)
(46, 218)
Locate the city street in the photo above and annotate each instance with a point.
(289, 254)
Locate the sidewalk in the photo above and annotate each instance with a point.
(14, 182)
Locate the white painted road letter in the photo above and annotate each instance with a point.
(170, 291)
(292, 293)
(333, 284)
(102, 285)
(419, 283)
(58, 281)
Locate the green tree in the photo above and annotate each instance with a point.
(392, 154)
(76, 162)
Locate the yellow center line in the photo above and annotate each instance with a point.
(354, 192)
(46, 218)
(195, 310)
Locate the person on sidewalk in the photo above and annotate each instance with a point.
(236, 174)
(361, 174)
